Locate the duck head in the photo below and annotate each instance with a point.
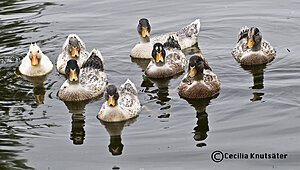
(72, 71)
(158, 54)
(112, 95)
(74, 47)
(35, 54)
(196, 66)
(254, 39)
(144, 29)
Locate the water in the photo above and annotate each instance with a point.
(256, 110)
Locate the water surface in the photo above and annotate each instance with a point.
(256, 110)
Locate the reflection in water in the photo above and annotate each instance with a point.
(159, 94)
(114, 130)
(257, 72)
(142, 63)
(192, 50)
(78, 121)
(201, 129)
(38, 87)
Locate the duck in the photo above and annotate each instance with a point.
(200, 81)
(73, 48)
(251, 48)
(86, 82)
(35, 63)
(187, 37)
(167, 60)
(121, 104)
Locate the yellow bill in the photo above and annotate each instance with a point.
(145, 32)
(159, 57)
(75, 52)
(192, 72)
(73, 75)
(34, 60)
(250, 42)
(111, 101)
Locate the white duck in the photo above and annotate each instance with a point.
(120, 105)
(73, 48)
(85, 83)
(35, 63)
(187, 37)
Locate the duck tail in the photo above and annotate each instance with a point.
(189, 34)
(128, 87)
(95, 60)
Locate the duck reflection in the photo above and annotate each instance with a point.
(38, 87)
(77, 109)
(114, 130)
(257, 72)
(159, 94)
(201, 129)
(192, 50)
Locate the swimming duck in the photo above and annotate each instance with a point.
(187, 37)
(251, 48)
(73, 48)
(35, 63)
(121, 104)
(166, 61)
(200, 82)
(85, 83)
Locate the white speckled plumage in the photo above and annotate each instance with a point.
(65, 55)
(92, 83)
(187, 37)
(175, 63)
(128, 105)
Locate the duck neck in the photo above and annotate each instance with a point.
(198, 76)
(144, 40)
(256, 46)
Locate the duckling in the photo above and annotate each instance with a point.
(252, 49)
(35, 63)
(187, 37)
(73, 48)
(85, 83)
(200, 82)
(167, 60)
(121, 104)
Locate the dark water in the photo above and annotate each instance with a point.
(257, 109)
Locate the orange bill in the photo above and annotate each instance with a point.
(250, 42)
(111, 101)
(145, 32)
(34, 60)
(159, 57)
(75, 52)
(73, 75)
(192, 72)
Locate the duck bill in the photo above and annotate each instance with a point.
(34, 60)
(192, 72)
(111, 101)
(159, 57)
(73, 75)
(250, 42)
(75, 52)
(145, 32)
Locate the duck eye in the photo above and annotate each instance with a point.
(38, 51)
(30, 52)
